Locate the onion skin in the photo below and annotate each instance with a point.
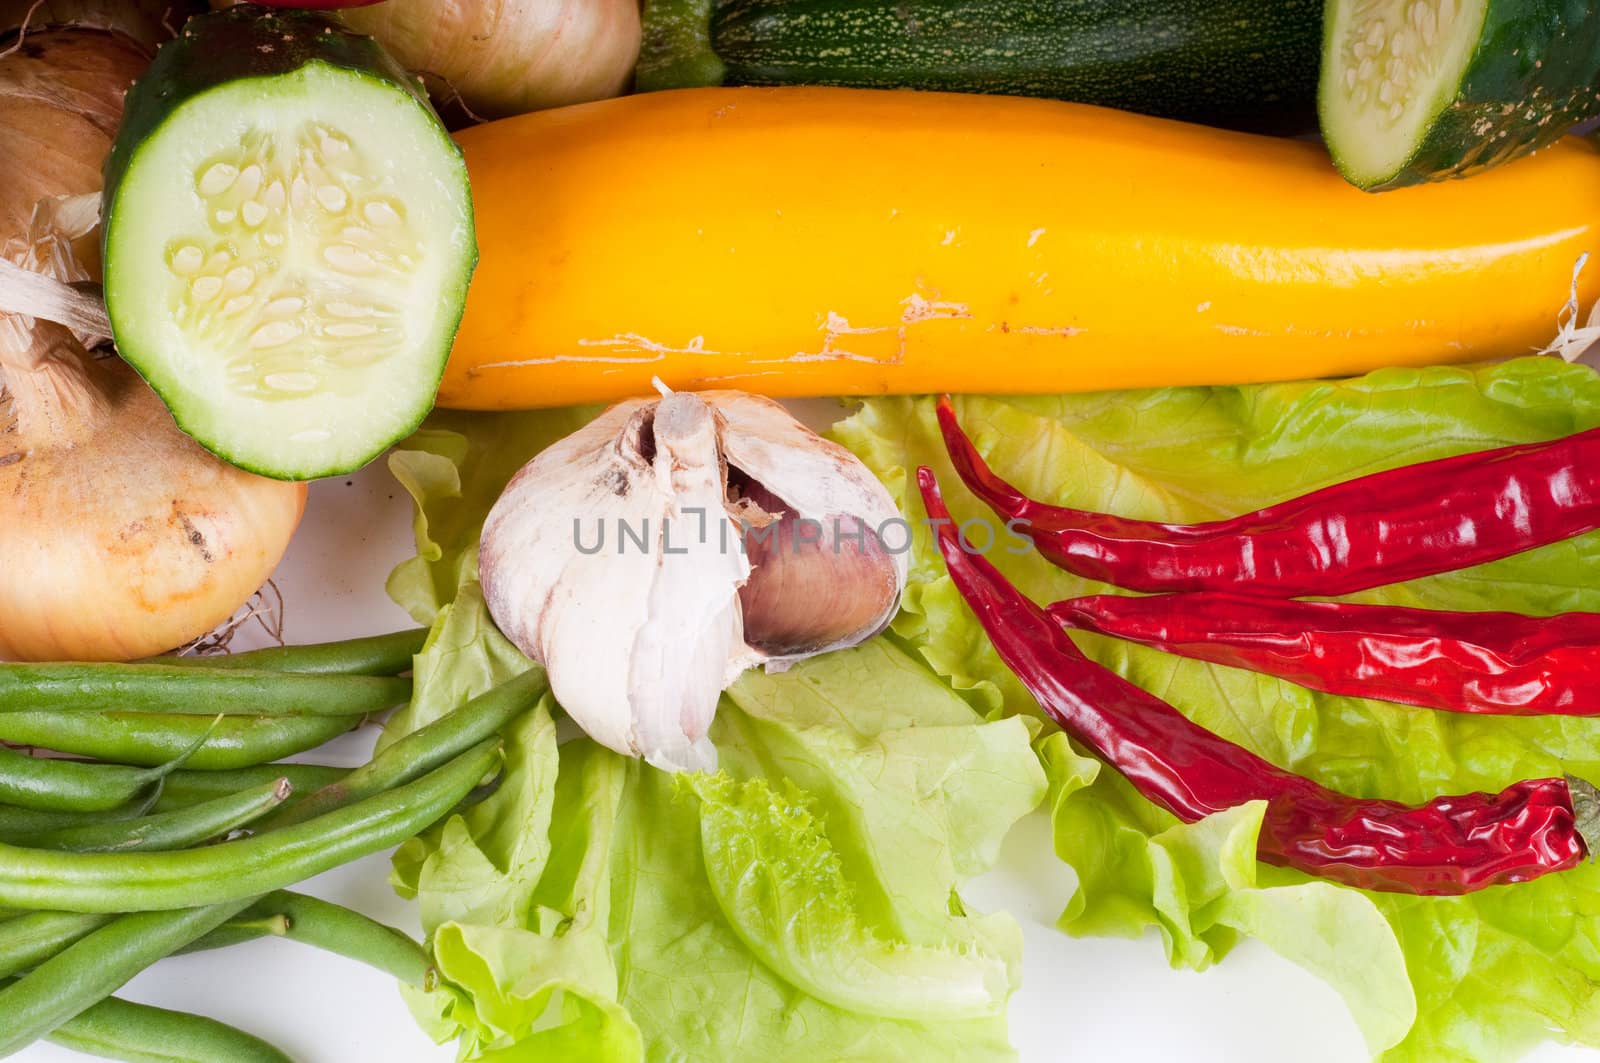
(122, 542)
(119, 536)
(507, 57)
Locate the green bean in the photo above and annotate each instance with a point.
(335, 928)
(149, 738)
(134, 882)
(374, 655)
(428, 746)
(97, 965)
(240, 929)
(166, 689)
(94, 967)
(186, 788)
(50, 784)
(139, 1033)
(168, 830)
(17, 821)
(29, 940)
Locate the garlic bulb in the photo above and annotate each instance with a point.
(649, 558)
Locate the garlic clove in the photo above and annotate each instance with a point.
(637, 638)
(822, 579)
(681, 654)
(814, 586)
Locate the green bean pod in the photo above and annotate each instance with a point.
(186, 788)
(161, 688)
(373, 655)
(15, 821)
(139, 1033)
(244, 869)
(428, 746)
(151, 738)
(242, 928)
(97, 965)
(28, 940)
(339, 930)
(168, 830)
(50, 784)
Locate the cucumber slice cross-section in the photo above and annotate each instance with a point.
(289, 240)
(1421, 90)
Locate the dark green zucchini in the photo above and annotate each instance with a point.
(1248, 64)
(1422, 90)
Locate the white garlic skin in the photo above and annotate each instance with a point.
(640, 643)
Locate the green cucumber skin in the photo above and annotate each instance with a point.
(227, 46)
(1534, 75)
(1238, 63)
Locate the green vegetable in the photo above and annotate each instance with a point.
(165, 689)
(166, 830)
(373, 655)
(334, 928)
(288, 241)
(783, 890)
(432, 745)
(95, 966)
(1238, 63)
(238, 930)
(592, 879)
(123, 882)
(51, 784)
(1491, 974)
(138, 1033)
(184, 789)
(16, 821)
(1421, 90)
(156, 738)
(30, 939)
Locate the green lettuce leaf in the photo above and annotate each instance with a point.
(1491, 974)
(801, 904)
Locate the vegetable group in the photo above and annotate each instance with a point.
(813, 241)
(289, 237)
(1453, 844)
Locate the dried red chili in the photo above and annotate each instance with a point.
(1451, 845)
(1416, 520)
(1462, 662)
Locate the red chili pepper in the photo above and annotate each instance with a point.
(1417, 520)
(1450, 845)
(1462, 662)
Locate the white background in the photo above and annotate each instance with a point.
(1081, 999)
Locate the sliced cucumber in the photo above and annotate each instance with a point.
(288, 241)
(1422, 90)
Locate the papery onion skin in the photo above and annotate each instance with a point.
(121, 542)
(119, 536)
(507, 57)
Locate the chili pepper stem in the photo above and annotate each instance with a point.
(1586, 813)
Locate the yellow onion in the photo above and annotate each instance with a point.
(119, 536)
(508, 57)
